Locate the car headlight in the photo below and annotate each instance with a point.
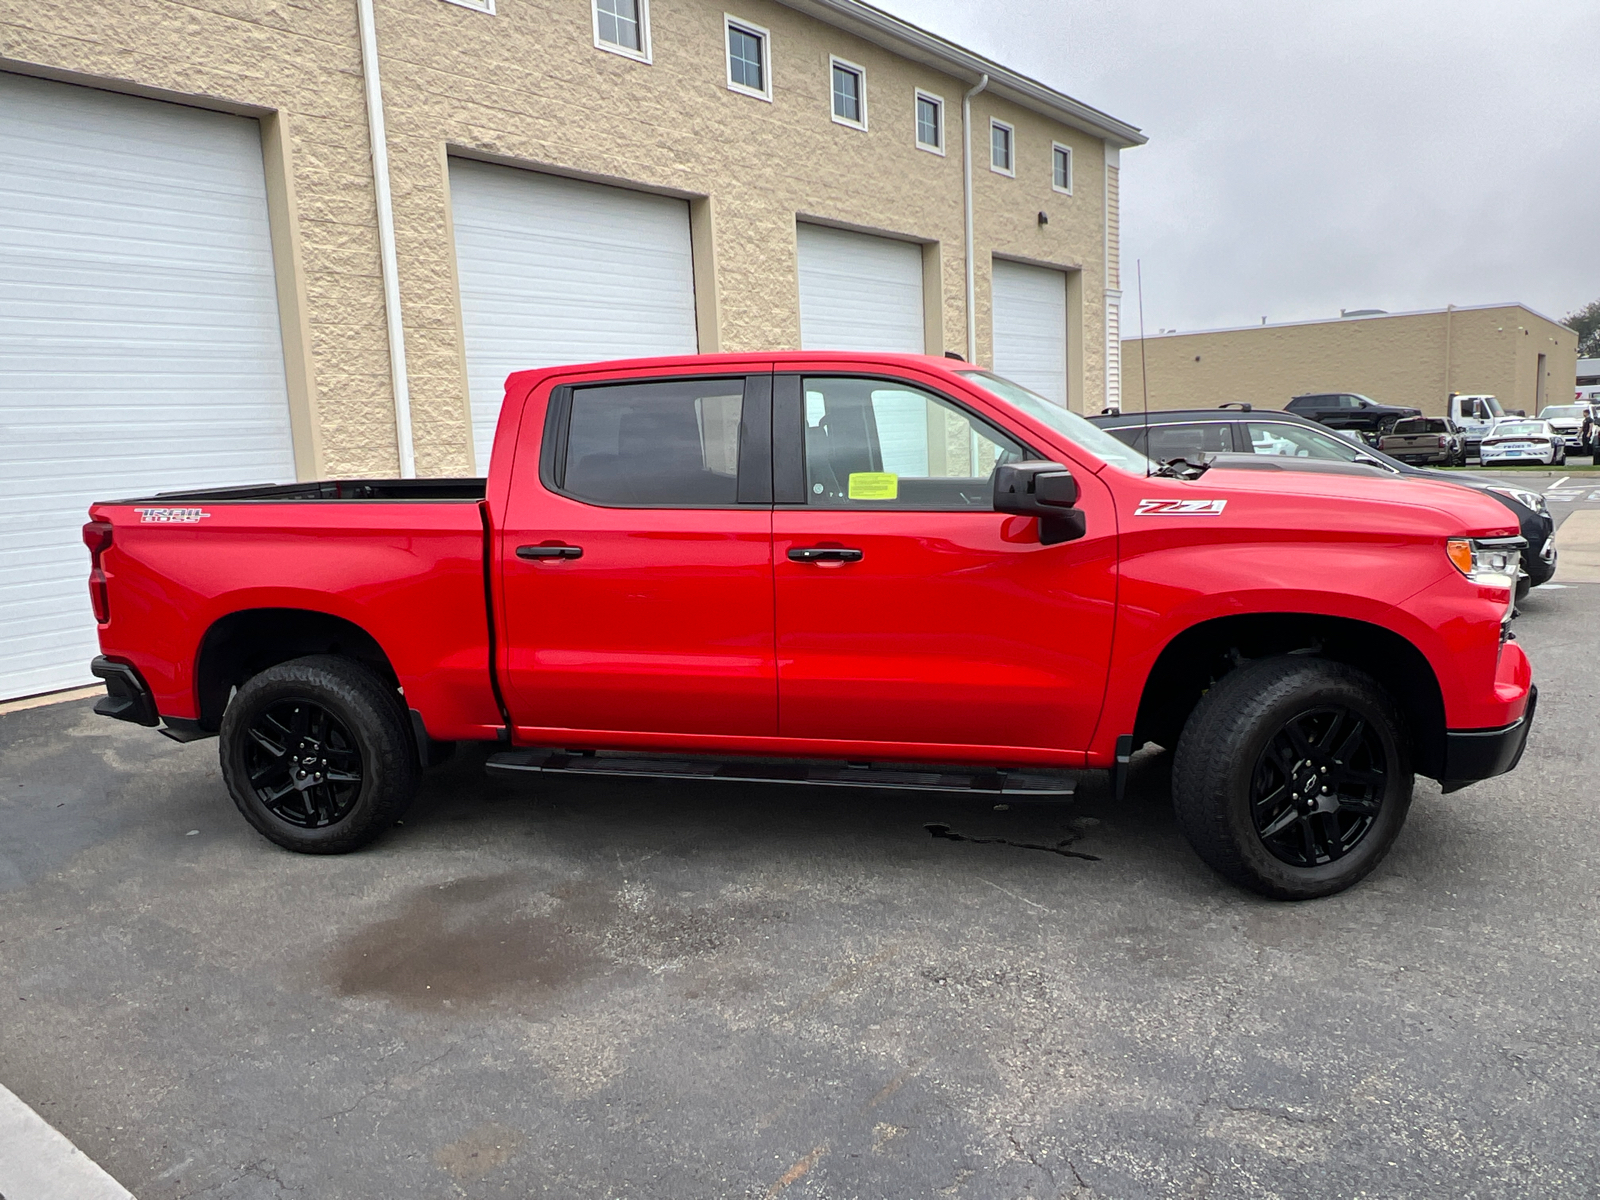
(1492, 562)
(1527, 499)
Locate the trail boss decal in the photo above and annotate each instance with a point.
(1180, 508)
(171, 516)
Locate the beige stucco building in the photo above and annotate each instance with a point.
(528, 85)
(251, 240)
(1415, 358)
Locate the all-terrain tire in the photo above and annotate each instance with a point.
(1235, 747)
(317, 754)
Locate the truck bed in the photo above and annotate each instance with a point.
(328, 489)
(200, 575)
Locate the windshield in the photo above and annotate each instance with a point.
(1518, 429)
(1563, 410)
(1069, 424)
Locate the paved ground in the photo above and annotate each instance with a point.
(652, 990)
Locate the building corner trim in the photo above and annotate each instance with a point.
(386, 250)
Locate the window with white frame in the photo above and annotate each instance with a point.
(849, 93)
(749, 59)
(1061, 165)
(623, 27)
(483, 6)
(1001, 150)
(930, 122)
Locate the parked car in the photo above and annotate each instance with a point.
(1350, 410)
(1190, 433)
(1521, 440)
(1575, 424)
(689, 567)
(1473, 415)
(1425, 440)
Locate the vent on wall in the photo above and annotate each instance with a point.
(483, 6)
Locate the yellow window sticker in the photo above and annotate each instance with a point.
(874, 485)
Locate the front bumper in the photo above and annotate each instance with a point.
(1471, 755)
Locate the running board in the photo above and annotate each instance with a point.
(1041, 784)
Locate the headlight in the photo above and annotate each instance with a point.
(1525, 498)
(1492, 562)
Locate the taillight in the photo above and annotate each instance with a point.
(97, 536)
(1443, 443)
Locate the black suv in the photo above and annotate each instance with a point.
(1192, 434)
(1350, 410)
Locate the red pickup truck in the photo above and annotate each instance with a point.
(832, 568)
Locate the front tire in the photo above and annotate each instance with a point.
(1293, 777)
(317, 755)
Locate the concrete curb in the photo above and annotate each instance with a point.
(37, 1163)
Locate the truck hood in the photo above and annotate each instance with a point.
(1361, 497)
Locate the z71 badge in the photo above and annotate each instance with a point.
(1180, 508)
(171, 516)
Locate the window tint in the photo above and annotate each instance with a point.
(1410, 425)
(672, 444)
(872, 444)
(847, 94)
(1296, 441)
(1163, 443)
(746, 61)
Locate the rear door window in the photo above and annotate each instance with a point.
(661, 444)
(872, 443)
(1163, 443)
(1296, 441)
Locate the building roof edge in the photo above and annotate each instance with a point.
(918, 44)
(1415, 312)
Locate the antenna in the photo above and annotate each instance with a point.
(1144, 376)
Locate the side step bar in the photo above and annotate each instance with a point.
(1038, 784)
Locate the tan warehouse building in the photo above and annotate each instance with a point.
(1415, 359)
(249, 241)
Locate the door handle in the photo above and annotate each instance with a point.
(549, 552)
(813, 554)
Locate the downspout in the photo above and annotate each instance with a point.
(391, 270)
(966, 167)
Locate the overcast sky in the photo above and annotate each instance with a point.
(1310, 156)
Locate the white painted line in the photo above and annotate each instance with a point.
(1559, 482)
(37, 1163)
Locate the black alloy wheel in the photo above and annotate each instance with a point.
(318, 754)
(1318, 786)
(1292, 776)
(304, 763)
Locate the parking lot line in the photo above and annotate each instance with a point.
(1578, 541)
(37, 1163)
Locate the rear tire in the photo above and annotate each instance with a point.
(1293, 777)
(317, 754)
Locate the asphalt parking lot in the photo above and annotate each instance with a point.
(650, 989)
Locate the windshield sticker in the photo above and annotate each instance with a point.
(1180, 508)
(874, 485)
(171, 516)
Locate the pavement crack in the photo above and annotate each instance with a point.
(378, 1087)
(950, 835)
(1028, 1154)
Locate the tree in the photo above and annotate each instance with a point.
(1586, 323)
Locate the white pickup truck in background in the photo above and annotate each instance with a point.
(1473, 415)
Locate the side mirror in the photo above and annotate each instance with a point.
(1040, 489)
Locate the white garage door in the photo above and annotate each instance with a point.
(558, 271)
(859, 292)
(139, 341)
(1030, 327)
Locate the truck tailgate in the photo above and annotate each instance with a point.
(407, 572)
